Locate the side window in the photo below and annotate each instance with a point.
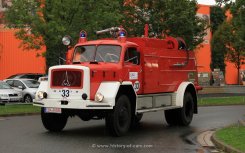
(131, 56)
(10, 82)
(18, 83)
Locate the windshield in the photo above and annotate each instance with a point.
(4, 85)
(101, 53)
(31, 83)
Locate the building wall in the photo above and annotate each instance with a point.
(14, 59)
(203, 53)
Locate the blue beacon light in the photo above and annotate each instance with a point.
(122, 34)
(82, 35)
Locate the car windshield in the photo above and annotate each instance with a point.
(4, 85)
(100, 53)
(31, 83)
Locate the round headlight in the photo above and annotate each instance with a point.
(66, 40)
(98, 97)
(41, 95)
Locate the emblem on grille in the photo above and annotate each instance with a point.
(66, 81)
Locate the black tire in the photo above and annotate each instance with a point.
(53, 122)
(171, 117)
(187, 111)
(118, 121)
(182, 116)
(138, 117)
(135, 120)
(28, 99)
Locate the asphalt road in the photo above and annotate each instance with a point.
(25, 134)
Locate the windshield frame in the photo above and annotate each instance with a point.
(95, 53)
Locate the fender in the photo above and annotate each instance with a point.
(111, 89)
(181, 91)
(43, 86)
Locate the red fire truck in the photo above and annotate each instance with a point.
(120, 79)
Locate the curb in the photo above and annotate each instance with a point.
(221, 145)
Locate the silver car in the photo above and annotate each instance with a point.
(28, 87)
(8, 94)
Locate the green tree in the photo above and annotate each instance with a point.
(231, 36)
(172, 17)
(218, 46)
(217, 17)
(236, 46)
(46, 23)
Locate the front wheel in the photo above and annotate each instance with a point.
(53, 122)
(118, 121)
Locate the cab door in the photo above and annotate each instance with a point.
(132, 68)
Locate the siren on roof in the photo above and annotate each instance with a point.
(83, 36)
(122, 35)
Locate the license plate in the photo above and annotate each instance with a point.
(52, 110)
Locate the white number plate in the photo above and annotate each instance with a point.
(52, 110)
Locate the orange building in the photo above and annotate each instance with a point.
(203, 54)
(14, 59)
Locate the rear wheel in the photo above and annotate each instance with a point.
(53, 122)
(186, 113)
(118, 121)
(171, 117)
(182, 116)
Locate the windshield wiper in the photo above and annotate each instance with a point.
(93, 62)
(76, 62)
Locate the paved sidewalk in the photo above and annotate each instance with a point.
(204, 139)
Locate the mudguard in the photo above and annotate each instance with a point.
(181, 91)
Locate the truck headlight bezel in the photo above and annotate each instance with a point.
(41, 95)
(98, 97)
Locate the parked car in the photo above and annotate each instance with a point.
(34, 76)
(8, 94)
(28, 87)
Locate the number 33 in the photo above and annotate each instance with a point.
(65, 93)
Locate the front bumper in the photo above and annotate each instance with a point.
(72, 104)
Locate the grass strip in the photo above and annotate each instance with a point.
(237, 100)
(233, 136)
(18, 109)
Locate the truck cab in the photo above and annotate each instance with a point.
(120, 79)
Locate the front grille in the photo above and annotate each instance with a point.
(13, 95)
(66, 78)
